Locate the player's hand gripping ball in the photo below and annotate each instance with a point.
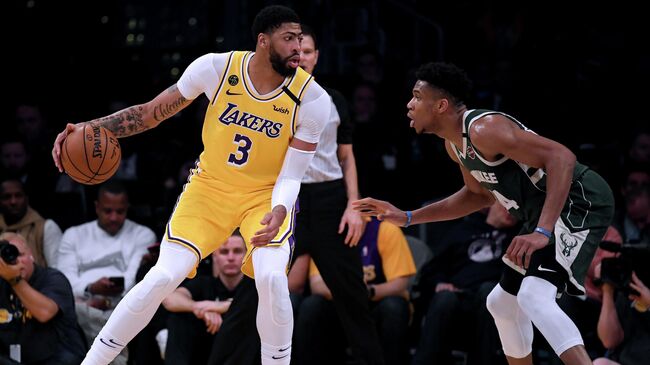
(90, 155)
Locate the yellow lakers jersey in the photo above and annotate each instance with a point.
(245, 136)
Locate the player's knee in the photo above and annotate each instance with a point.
(530, 300)
(154, 287)
(275, 285)
(499, 303)
(517, 350)
(536, 296)
(527, 304)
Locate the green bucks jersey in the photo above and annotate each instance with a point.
(519, 188)
(522, 190)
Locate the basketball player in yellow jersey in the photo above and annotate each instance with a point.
(260, 132)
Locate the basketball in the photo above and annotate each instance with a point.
(90, 155)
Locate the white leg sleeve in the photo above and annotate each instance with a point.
(536, 298)
(515, 328)
(139, 305)
(274, 313)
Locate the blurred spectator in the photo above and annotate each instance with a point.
(37, 176)
(375, 144)
(38, 323)
(637, 176)
(633, 176)
(634, 222)
(32, 124)
(101, 258)
(43, 236)
(639, 150)
(369, 67)
(388, 265)
(33, 127)
(624, 324)
(198, 304)
(458, 282)
(14, 157)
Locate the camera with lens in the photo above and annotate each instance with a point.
(8, 252)
(618, 270)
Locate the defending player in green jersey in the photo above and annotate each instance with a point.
(565, 207)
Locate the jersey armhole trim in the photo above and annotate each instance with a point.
(226, 70)
(296, 109)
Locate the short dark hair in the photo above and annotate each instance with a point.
(309, 31)
(448, 78)
(13, 136)
(271, 17)
(11, 178)
(113, 186)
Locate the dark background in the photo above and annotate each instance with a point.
(574, 71)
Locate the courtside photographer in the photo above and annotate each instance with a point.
(38, 324)
(624, 322)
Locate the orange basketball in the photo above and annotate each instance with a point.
(90, 155)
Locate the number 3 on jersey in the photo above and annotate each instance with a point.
(240, 157)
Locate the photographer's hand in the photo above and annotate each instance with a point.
(644, 293)
(10, 272)
(608, 291)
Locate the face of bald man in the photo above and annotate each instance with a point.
(25, 256)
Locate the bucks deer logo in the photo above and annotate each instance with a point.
(568, 244)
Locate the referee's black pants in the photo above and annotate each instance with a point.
(321, 208)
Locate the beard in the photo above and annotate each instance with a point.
(280, 65)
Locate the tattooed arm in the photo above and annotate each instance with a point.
(139, 118)
(132, 120)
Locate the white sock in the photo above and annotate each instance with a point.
(104, 349)
(276, 355)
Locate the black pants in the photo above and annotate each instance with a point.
(188, 342)
(318, 331)
(459, 321)
(317, 224)
(391, 315)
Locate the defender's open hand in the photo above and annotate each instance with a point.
(384, 211)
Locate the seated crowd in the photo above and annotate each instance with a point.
(69, 253)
